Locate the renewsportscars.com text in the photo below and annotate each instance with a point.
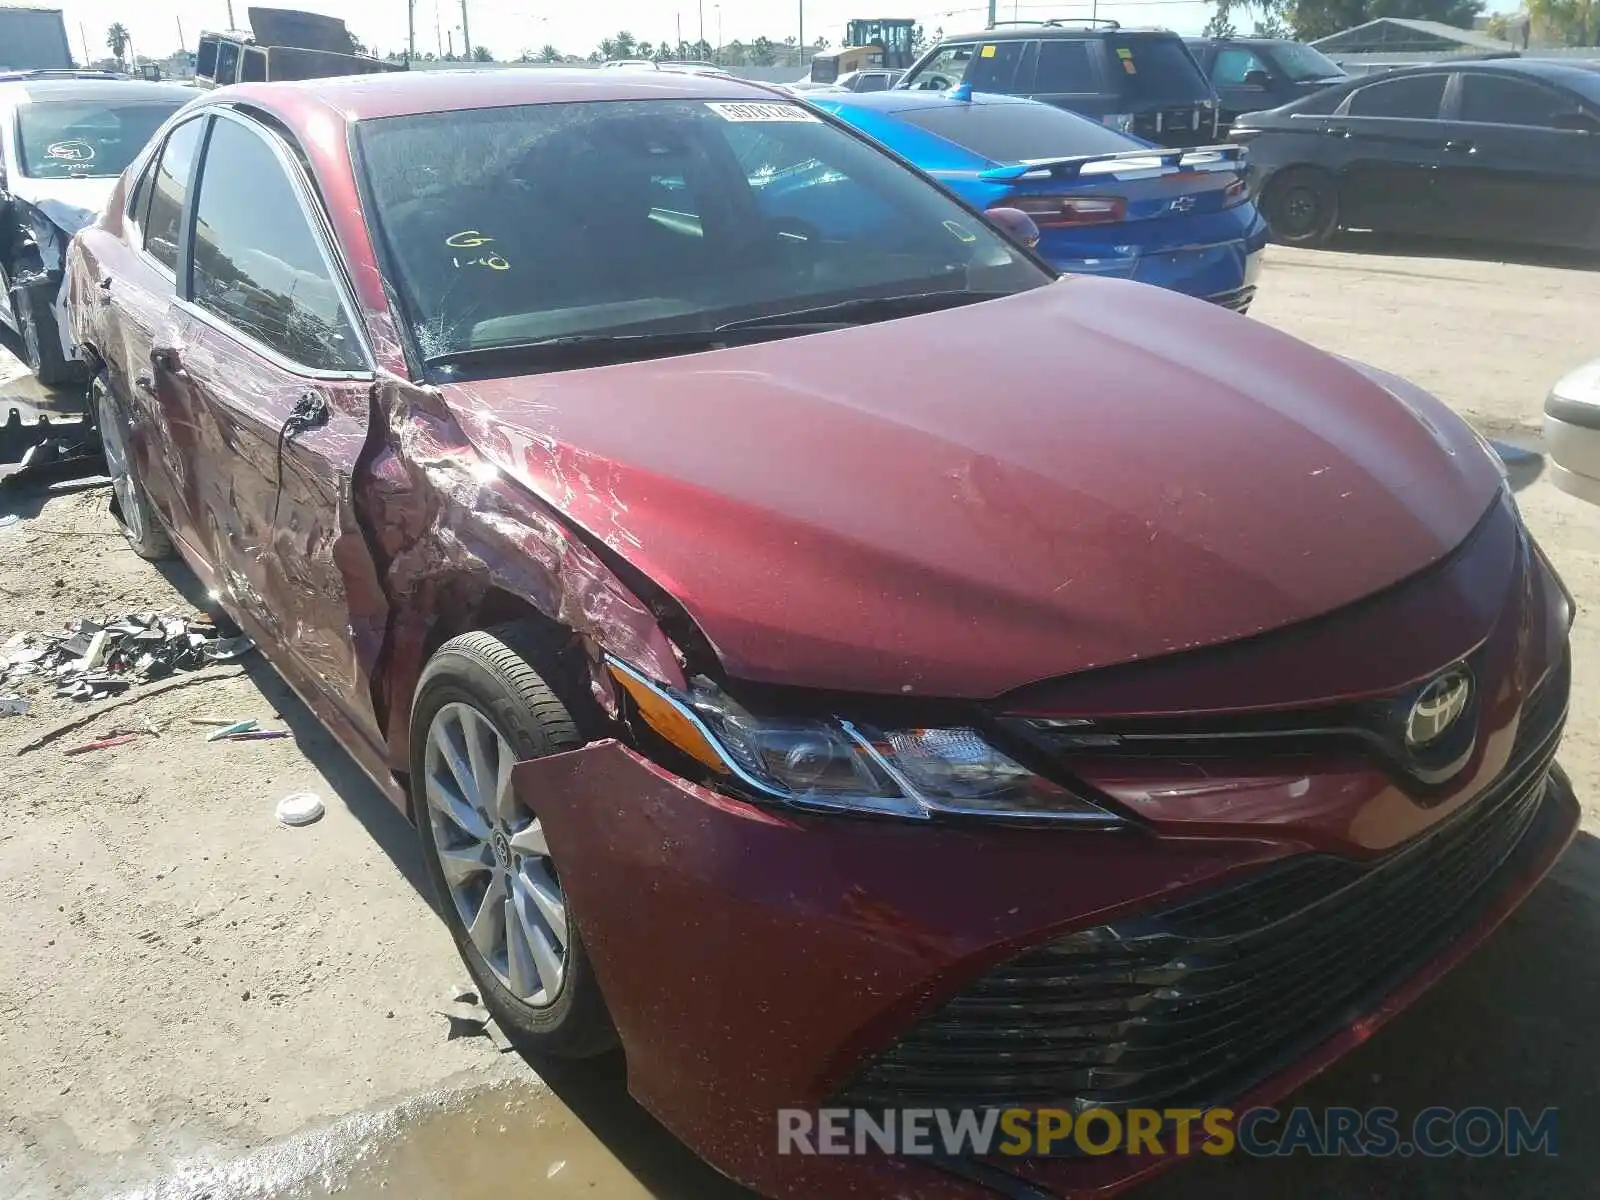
(1260, 1132)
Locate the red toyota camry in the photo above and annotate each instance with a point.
(821, 649)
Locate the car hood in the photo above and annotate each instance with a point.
(69, 204)
(961, 503)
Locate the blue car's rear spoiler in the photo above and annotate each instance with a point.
(1156, 160)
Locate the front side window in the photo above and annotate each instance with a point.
(169, 191)
(1232, 65)
(945, 69)
(1413, 96)
(257, 263)
(1302, 64)
(1499, 100)
(508, 225)
(85, 140)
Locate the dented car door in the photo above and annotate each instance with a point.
(277, 382)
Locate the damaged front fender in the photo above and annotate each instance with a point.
(448, 529)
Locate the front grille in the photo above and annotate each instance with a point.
(1238, 300)
(1195, 1002)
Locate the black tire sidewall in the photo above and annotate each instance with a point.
(1327, 198)
(573, 1025)
(41, 339)
(155, 544)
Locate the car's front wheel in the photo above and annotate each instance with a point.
(1302, 206)
(483, 703)
(36, 321)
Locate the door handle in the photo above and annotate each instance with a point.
(105, 285)
(1338, 131)
(165, 358)
(1455, 146)
(145, 382)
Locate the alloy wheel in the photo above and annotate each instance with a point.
(492, 852)
(117, 465)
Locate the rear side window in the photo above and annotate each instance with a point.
(257, 263)
(872, 83)
(169, 191)
(994, 67)
(1157, 68)
(1012, 133)
(1414, 96)
(1065, 66)
(1498, 100)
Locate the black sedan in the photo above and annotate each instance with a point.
(1504, 149)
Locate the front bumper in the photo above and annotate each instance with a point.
(755, 960)
(1572, 433)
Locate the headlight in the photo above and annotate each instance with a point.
(835, 764)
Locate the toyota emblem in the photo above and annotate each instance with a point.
(1437, 708)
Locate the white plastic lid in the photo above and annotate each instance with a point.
(302, 808)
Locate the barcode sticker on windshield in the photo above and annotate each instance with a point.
(761, 112)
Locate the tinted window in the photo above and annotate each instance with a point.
(945, 69)
(1156, 68)
(1301, 63)
(1065, 67)
(139, 194)
(1501, 100)
(872, 83)
(994, 67)
(504, 225)
(1232, 65)
(1408, 96)
(167, 196)
(254, 69)
(227, 62)
(63, 140)
(1009, 133)
(256, 261)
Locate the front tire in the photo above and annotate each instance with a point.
(1302, 206)
(484, 702)
(134, 512)
(41, 340)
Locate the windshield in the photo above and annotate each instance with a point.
(509, 225)
(1302, 64)
(84, 140)
(1156, 68)
(1010, 133)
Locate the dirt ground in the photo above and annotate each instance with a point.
(195, 1001)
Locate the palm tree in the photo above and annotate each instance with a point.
(117, 40)
(549, 54)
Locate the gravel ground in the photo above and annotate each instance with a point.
(183, 977)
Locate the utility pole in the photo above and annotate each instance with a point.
(230, 16)
(466, 37)
(702, 40)
(411, 30)
(802, 32)
(83, 34)
(182, 45)
(678, 49)
(992, 4)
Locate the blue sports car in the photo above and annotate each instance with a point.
(1106, 203)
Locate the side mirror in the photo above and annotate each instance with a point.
(1257, 78)
(1576, 121)
(1016, 223)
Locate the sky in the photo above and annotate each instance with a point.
(508, 27)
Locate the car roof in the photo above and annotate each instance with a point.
(1031, 32)
(1552, 70)
(40, 91)
(413, 93)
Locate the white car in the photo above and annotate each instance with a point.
(1572, 432)
(63, 143)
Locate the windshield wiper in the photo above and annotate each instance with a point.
(862, 310)
(599, 347)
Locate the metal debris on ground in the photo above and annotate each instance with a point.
(252, 735)
(228, 730)
(301, 808)
(90, 660)
(14, 706)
